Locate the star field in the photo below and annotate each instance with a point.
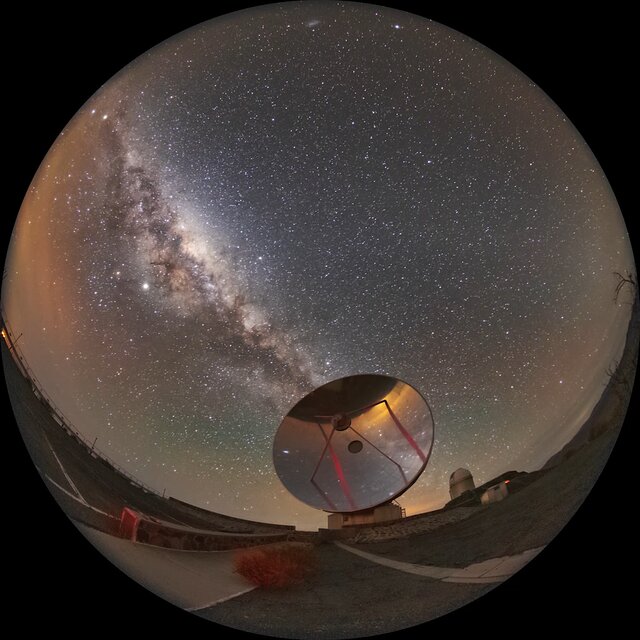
(297, 193)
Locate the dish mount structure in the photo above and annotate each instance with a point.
(353, 445)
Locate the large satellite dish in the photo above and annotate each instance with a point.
(354, 443)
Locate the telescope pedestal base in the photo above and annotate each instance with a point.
(386, 512)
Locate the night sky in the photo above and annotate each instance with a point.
(297, 193)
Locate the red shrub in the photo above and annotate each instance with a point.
(275, 565)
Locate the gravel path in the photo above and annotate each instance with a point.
(348, 597)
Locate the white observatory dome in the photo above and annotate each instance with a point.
(460, 481)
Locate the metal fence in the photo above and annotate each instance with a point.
(56, 412)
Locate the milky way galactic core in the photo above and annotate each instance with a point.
(301, 192)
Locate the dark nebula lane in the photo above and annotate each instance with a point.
(192, 277)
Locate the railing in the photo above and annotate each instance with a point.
(56, 412)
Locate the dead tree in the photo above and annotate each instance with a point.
(622, 281)
(619, 377)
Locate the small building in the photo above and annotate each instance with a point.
(460, 481)
(495, 493)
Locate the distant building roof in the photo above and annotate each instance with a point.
(460, 474)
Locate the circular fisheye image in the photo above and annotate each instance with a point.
(319, 320)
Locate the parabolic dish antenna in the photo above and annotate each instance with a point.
(354, 443)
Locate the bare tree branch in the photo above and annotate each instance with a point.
(622, 281)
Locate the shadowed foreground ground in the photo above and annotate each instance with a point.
(350, 596)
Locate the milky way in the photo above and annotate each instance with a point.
(194, 274)
(301, 192)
